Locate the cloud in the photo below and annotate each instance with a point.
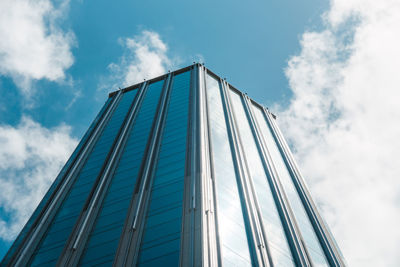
(145, 57)
(343, 123)
(33, 45)
(30, 158)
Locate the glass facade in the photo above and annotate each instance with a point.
(54, 240)
(307, 231)
(277, 242)
(160, 244)
(103, 240)
(232, 236)
(126, 194)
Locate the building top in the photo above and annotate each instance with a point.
(161, 77)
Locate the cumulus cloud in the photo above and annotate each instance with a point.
(145, 57)
(30, 158)
(33, 45)
(343, 123)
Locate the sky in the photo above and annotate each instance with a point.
(329, 69)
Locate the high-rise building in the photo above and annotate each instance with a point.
(180, 170)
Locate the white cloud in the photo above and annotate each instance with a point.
(145, 57)
(344, 123)
(30, 158)
(33, 46)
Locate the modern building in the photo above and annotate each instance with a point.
(180, 170)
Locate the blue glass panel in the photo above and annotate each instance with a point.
(166, 219)
(73, 203)
(274, 229)
(110, 221)
(165, 260)
(54, 185)
(311, 240)
(159, 249)
(232, 230)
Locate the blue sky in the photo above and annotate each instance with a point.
(325, 67)
(260, 36)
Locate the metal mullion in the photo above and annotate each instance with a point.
(79, 236)
(244, 178)
(187, 251)
(214, 244)
(292, 231)
(215, 223)
(24, 254)
(319, 226)
(130, 238)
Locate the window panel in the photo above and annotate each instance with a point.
(101, 147)
(101, 252)
(160, 250)
(232, 230)
(271, 219)
(116, 202)
(167, 228)
(159, 214)
(302, 219)
(165, 260)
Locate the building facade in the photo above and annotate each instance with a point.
(180, 170)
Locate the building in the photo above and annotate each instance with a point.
(183, 169)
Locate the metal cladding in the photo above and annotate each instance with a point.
(180, 170)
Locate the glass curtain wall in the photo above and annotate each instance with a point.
(275, 235)
(49, 249)
(106, 207)
(161, 240)
(103, 239)
(231, 225)
(306, 229)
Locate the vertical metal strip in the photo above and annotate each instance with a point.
(82, 229)
(23, 256)
(259, 250)
(131, 236)
(290, 226)
(211, 202)
(211, 249)
(187, 252)
(320, 228)
(191, 170)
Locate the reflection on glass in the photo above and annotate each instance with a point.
(307, 231)
(276, 239)
(232, 232)
(160, 244)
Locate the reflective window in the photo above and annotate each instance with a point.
(103, 240)
(307, 231)
(275, 234)
(231, 226)
(160, 245)
(58, 232)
